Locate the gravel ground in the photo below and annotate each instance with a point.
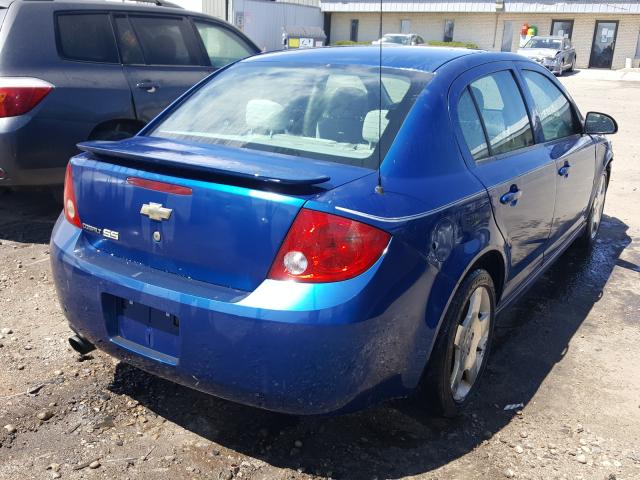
(567, 354)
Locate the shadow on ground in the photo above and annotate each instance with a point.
(27, 216)
(397, 439)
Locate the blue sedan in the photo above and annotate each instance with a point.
(312, 232)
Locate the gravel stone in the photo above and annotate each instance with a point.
(10, 428)
(45, 415)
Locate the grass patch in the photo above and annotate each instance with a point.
(342, 43)
(436, 43)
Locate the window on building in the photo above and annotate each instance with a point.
(503, 113)
(448, 30)
(87, 37)
(222, 45)
(554, 110)
(165, 40)
(353, 35)
(637, 55)
(405, 26)
(562, 28)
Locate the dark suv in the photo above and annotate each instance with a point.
(76, 70)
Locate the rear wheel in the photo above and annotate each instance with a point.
(462, 348)
(588, 238)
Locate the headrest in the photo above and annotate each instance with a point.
(373, 122)
(267, 115)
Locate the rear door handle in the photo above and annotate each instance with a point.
(512, 196)
(148, 85)
(564, 170)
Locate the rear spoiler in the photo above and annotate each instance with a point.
(215, 160)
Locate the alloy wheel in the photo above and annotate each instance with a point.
(470, 343)
(598, 207)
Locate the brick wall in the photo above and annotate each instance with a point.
(486, 29)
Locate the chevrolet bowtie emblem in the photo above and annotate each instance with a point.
(155, 211)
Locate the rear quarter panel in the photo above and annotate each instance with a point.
(433, 206)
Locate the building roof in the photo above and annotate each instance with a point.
(428, 59)
(484, 6)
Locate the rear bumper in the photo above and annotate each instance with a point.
(33, 151)
(293, 348)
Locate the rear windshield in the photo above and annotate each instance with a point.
(326, 112)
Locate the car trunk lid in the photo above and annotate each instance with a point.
(215, 214)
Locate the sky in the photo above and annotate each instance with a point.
(194, 5)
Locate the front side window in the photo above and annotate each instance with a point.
(327, 112)
(554, 110)
(222, 45)
(503, 112)
(87, 37)
(164, 40)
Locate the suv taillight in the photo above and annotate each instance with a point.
(18, 95)
(70, 205)
(321, 247)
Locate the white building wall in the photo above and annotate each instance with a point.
(485, 29)
(217, 8)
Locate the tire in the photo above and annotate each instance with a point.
(572, 68)
(438, 389)
(588, 238)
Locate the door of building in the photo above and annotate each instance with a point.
(604, 44)
(507, 37)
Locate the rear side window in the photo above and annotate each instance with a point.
(129, 47)
(554, 110)
(503, 112)
(165, 40)
(87, 37)
(222, 45)
(472, 127)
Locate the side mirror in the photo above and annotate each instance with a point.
(599, 124)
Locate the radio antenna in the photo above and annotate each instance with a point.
(379, 188)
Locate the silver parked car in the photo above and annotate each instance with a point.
(400, 39)
(555, 53)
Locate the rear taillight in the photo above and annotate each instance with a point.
(321, 247)
(18, 95)
(70, 205)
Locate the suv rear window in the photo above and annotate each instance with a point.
(87, 37)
